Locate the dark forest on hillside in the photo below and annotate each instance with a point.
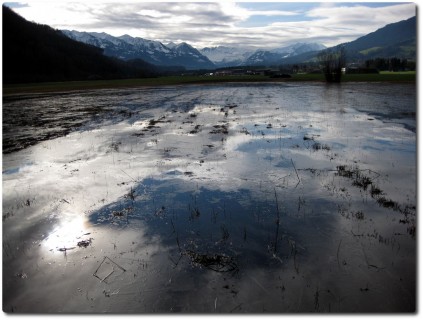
(37, 53)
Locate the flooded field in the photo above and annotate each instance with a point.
(279, 198)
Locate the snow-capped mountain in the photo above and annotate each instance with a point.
(261, 57)
(223, 56)
(126, 47)
(171, 45)
(276, 56)
(298, 48)
(183, 53)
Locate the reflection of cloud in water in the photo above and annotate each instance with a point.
(215, 181)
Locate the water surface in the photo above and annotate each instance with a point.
(227, 198)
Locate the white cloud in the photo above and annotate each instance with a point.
(361, 15)
(346, 23)
(213, 23)
(271, 13)
(55, 15)
(151, 13)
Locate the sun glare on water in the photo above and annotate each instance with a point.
(70, 234)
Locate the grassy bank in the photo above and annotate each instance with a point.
(48, 87)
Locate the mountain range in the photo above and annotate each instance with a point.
(276, 56)
(225, 56)
(394, 40)
(126, 48)
(33, 52)
(233, 56)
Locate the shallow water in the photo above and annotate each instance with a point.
(227, 198)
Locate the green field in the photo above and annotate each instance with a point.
(47, 87)
(370, 50)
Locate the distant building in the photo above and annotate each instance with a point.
(352, 68)
(358, 68)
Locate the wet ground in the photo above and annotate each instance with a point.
(228, 198)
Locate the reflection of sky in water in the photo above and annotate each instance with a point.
(232, 223)
(249, 175)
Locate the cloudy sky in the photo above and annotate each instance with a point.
(259, 24)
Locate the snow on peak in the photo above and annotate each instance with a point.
(127, 47)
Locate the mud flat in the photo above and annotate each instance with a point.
(283, 197)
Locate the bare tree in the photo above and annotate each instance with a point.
(332, 61)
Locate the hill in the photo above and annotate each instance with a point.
(387, 41)
(393, 40)
(388, 36)
(36, 53)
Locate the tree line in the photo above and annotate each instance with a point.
(390, 64)
(333, 63)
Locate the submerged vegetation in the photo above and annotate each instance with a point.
(362, 181)
(230, 198)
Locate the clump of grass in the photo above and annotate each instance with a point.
(194, 213)
(7, 215)
(318, 146)
(220, 129)
(375, 191)
(121, 213)
(316, 300)
(244, 130)
(362, 181)
(225, 232)
(196, 129)
(387, 203)
(84, 243)
(152, 123)
(130, 195)
(306, 138)
(359, 215)
(345, 171)
(215, 262)
(115, 146)
(412, 231)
